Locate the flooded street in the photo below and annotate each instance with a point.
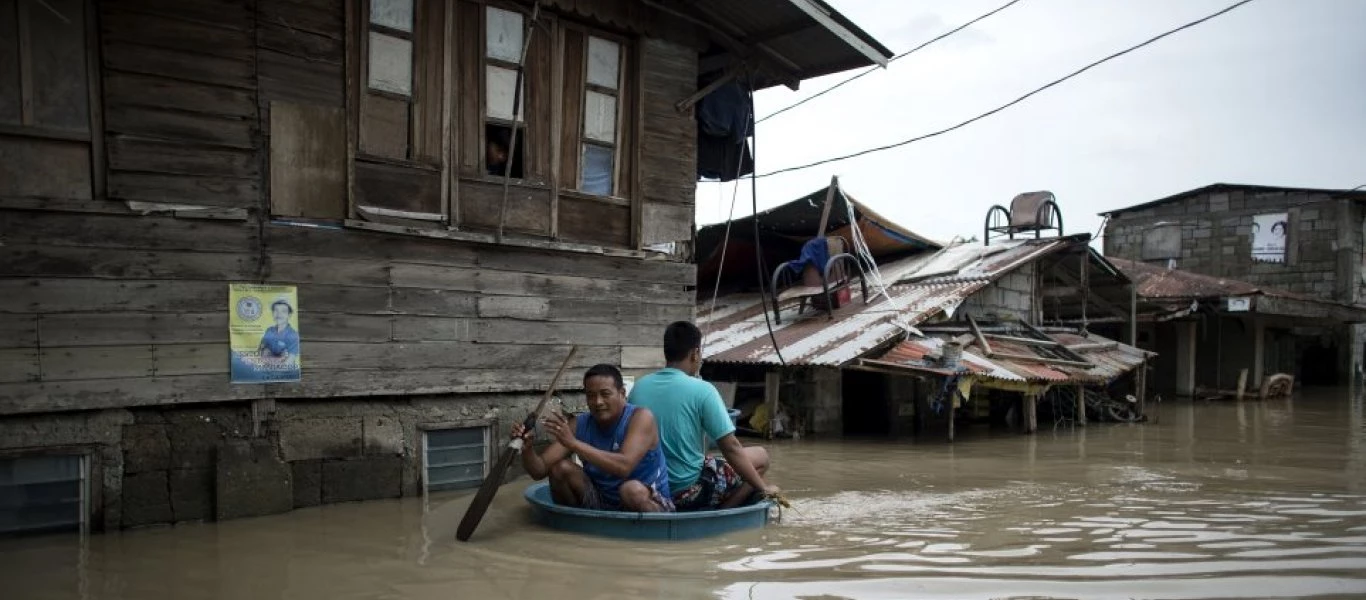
(1223, 500)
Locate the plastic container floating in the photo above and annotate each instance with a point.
(644, 526)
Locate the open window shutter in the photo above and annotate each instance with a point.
(539, 74)
(470, 43)
(575, 44)
(430, 84)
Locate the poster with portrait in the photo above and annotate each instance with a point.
(1269, 237)
(263, 333)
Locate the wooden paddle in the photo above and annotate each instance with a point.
(489, 488)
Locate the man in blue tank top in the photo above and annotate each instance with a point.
(623, 464)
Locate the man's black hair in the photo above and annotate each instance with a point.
(680, 339)
(606, 370)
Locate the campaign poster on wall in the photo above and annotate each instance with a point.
(263, 333)
(1269, 237)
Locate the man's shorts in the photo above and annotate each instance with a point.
(716, 481)
(593, 500)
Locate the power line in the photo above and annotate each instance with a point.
(893, 59)
(1012, 102)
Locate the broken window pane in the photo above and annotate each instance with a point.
(600, 117)
(395, 14)
(597, 170)
(391, 64)
(504, 31)
(499, 85)
(497, 139)
(604, 62)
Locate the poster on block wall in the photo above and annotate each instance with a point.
(263, 333)
(1269, 237)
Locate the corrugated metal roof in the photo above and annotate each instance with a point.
(737, 333)
(811, 36)
(1110, 359)
(1157, 282)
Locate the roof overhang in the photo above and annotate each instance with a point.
(1353, 194)
(783, 41)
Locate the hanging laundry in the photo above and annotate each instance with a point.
(725, 121)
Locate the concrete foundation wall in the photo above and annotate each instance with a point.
(816, 396)
(200, 463)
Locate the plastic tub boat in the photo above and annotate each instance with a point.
(644, 526)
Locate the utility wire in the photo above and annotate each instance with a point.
(893, 59)
(1012, 102)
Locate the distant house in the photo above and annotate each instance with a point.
(447, 233)
(1294, 241)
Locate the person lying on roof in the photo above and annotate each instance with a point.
(623, 464)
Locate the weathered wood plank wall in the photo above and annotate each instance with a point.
(101, 306)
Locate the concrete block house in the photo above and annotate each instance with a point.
(1299, 251)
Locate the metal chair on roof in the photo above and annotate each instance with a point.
(1031, 211)
(819, 287)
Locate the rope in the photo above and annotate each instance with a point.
(865, 254)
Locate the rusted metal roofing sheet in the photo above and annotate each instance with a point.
(1110, 359)
(736, 331)
(1152, 281)
(1171, 292)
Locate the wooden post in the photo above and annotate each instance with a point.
(772, 382)
(1085, 286)
(1242, 384)
(1081, 405)
(1031, 412)
(517, 110)
(1258, 351)
(1143, 388)
(1133, 315)
(829, 200)
(951, 414)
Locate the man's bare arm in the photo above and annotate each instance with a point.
(734, 451)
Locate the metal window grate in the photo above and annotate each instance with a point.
(456, 458)
(43, 494)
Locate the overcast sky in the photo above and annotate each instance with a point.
(1273, 93)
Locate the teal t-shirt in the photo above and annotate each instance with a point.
(685, 408)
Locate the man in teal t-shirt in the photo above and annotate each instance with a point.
(686, 407)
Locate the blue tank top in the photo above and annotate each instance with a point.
(651, 470)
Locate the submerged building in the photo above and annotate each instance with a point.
(422, 237)
(1275, 281)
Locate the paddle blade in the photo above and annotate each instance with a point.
(484, 497)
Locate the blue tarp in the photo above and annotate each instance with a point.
(815, 252)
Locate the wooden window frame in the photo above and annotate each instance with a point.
(94, 135)
(626, 110)
(363, 79)
(454, 164)
(359, 27)
(519, 119)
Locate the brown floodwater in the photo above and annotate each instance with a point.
(1213, 500)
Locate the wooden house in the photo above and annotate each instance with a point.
(447, 235)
